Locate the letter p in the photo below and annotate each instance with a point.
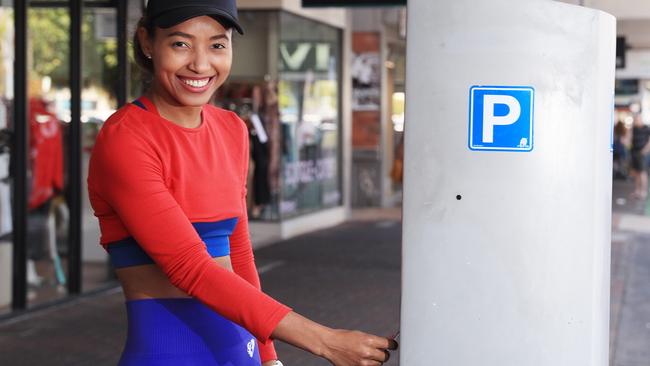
(490, 120)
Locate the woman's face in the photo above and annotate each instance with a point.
(191, 60)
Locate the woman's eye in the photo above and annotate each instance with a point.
(180, 44)
(218, 46)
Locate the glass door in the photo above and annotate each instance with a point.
(48, 126)
(75, 64)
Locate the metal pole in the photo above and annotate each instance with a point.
(19, 159)
(74, 159)
(122, 55)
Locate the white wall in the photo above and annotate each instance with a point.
(621, 9)
(637, 65)
(636, 32)
(248, 48)
(332, 16)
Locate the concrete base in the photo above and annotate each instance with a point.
(266, 233)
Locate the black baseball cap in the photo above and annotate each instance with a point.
(168, 13)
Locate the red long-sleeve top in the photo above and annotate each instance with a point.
(150, 179)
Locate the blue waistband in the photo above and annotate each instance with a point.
(215, 235)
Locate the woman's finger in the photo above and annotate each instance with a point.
(392, 344)
(384, 343)
(387, 356)
(370, 363)
(376, 355)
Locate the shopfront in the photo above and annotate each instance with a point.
(73, 69)
(63, 71)
(286, 85)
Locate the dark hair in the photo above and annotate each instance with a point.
(141, 59)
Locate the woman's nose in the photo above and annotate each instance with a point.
(199, 63)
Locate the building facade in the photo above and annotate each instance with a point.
(67, 65)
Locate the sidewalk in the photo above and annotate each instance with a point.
(348, 277)
(344, 277)
(630, 279)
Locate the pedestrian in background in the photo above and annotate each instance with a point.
(167, 180)
(639, 157)
(620, 151)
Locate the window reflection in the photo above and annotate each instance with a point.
(309, 115)
(48, 214)
(6, 99)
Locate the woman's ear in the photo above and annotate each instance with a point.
(145, 42)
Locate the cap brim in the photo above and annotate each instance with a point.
(177, 16)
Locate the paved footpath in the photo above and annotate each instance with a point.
(345, 277)
(630, 279)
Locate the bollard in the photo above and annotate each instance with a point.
(507, 188)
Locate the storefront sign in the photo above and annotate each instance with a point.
(305, 56)
(308, 171)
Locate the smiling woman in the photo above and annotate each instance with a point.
(172, 210)
(192, 60)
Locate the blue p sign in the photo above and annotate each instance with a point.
(501, 118)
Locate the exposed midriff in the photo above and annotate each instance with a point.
(148, 281)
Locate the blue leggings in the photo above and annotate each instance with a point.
(184, 332)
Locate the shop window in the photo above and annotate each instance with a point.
(309, 87)
(285, 85)
(48, 120)
(98, 102)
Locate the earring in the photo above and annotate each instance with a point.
(148, 56)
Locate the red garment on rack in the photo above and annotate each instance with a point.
(45, 153)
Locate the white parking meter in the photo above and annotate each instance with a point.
(507, 193)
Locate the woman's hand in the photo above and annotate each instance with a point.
(354, 348)
(340, 347)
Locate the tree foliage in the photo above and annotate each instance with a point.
(49, 43)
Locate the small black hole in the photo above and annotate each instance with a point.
(459, 197)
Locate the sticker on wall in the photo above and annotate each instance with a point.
(501, 118)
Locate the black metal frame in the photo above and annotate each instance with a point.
(122, 52)
(20, 138)
(74, 161)
(19, 159)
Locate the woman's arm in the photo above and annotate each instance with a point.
(125, 172)
(243, 263)
(241, 250)
(340, 347)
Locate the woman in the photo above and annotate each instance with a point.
(167, 180)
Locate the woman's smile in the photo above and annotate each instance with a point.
(196, 84)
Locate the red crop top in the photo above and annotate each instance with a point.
(150, 179)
